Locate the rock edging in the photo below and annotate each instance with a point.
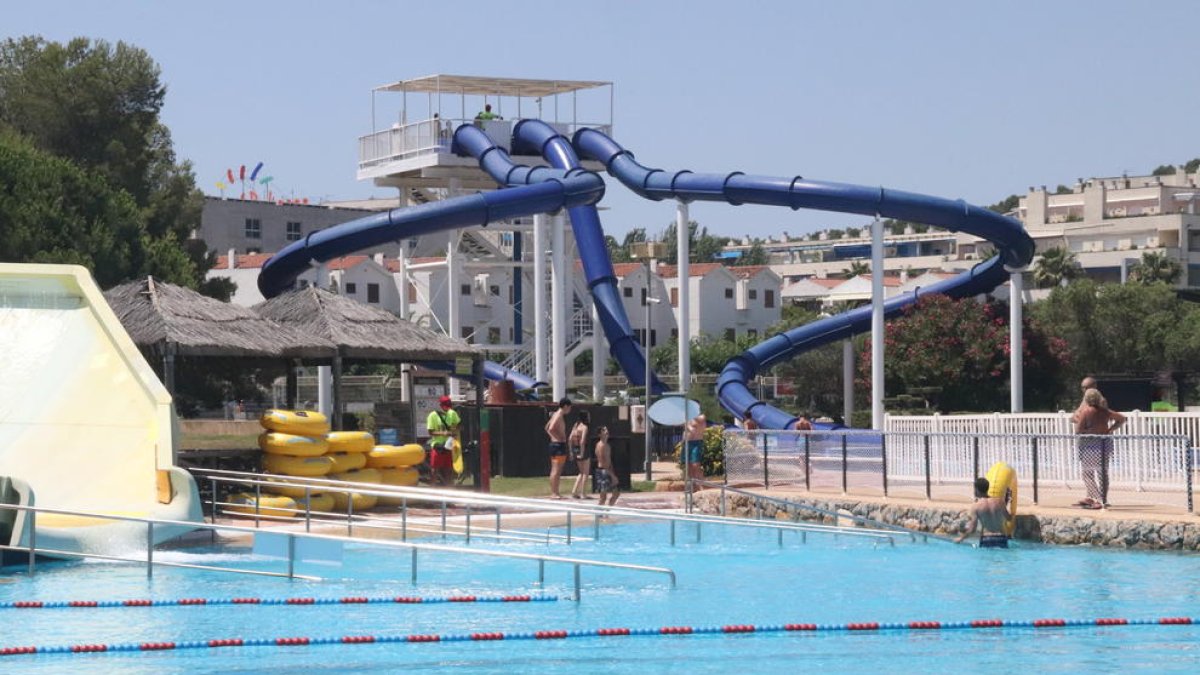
(1073, 530)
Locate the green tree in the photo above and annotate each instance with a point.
(857, 268)
(53, 211)
(1063, 190)
(616, 252)
(1122, 328)
(1164, 170)
(702, 246)
(1009, 203)
(1192, 166)
(757, 255)
(1055, 266)
(98, 105)
(1156, 268)
(960, 349)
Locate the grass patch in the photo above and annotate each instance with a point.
(539, 486)
(218, 441)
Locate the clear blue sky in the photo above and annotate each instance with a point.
(956, 99)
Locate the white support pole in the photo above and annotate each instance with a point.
(405, 311)
(876, 325)
(558, 307)
(538, 288)
(453, 296)
(683, 252)
(324, 373)
(1016, 338)
(599, 356)
(454, 299)
(847, 380)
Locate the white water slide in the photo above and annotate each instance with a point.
(85, 424)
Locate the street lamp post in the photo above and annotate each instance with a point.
(647, 252)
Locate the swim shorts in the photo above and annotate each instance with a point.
(695, 450)
(602, 481)
(440, 457)
(558, 452)
(993, 541)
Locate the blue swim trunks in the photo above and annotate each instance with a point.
(993, 541)
(695, 450)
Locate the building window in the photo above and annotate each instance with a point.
(639, 335)
(293, 230)
(674, 333)
(730, 335)
(351, 288)
(653, 337)
(412, 292)
(674, 297)
(627, 291)
(494, 290)
(253, 228)
(768, 299)
(373, 293)
(493, 335)
(644, 297)
(511, 335)
(728, 293)
(465, 289)
(467, 334)
(751, 332)
(753, 293)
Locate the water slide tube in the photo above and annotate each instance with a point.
(552, 192)
(85, 425)
(1015, 250)
(539, 137)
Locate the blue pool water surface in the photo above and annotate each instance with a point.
(733, 576)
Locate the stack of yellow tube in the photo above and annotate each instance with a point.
(349, 449)
(396, 465)
(294, 444)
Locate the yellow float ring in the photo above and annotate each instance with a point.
(290, 489)
(268, 505)
(298, 466)
(292, 445)
(347, 461)
(362, 502)
(395, 456)
(317, 502)
(299, 422)
(350, 441)
(406, 477)
(1002, 483)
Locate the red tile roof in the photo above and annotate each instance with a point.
(243, 261)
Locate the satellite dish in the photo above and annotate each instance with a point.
(673, 411)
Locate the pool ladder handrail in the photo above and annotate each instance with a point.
(876, 524)
(596, 511)
(150, 523)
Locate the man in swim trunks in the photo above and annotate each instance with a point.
(606, 477)
(556, 429)
(992, 513)
(694, 446)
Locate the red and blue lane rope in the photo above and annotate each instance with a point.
(598, 632)
(344, 600)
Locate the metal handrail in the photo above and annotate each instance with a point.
(877, 524)
(292, 536)
(474, 498)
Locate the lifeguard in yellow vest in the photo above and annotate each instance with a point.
(445, 452)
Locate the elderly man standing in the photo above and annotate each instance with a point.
(1094, 422)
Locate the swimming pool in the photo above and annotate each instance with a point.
(734, 576)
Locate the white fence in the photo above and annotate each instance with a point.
(1151, 460)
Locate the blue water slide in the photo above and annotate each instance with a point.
(554, 190)
(1014, 250)
(537, 137)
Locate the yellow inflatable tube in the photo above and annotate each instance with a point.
(299, 422)
(1002, 483)
(347, 461)
(406, 477)
(276, 443)
(350, 441)
(298, 466)
(268, 505)
(395, 456)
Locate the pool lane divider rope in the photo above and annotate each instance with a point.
(599, 632)
(347, 600)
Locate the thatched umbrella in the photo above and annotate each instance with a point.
(169, 321)
(360, 332)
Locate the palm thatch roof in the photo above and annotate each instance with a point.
(358, 330)
(166, 318)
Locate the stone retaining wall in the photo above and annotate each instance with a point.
(951, 522)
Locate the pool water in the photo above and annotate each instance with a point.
(733, 576)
